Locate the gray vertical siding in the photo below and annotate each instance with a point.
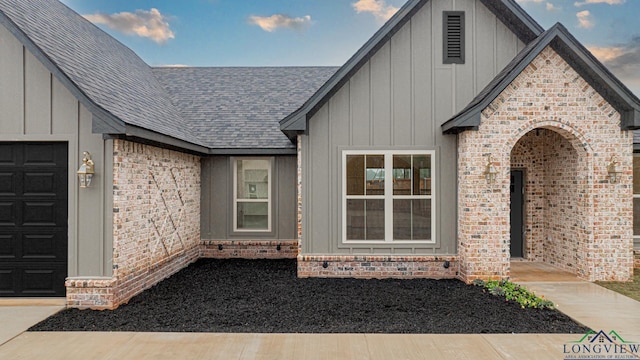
(216, 204)
(398, 100)
(37, 107)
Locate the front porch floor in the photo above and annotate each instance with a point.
(528, 271)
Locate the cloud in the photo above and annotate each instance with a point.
(584, 19)
(276, 21)
(623, 60)
(551, 7)
(149, 24)
(606, 54)
(610, 2)
(378, 8)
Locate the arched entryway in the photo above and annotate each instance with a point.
(551, 206)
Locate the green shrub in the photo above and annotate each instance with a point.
(515, 292)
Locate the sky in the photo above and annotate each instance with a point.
(326, 32)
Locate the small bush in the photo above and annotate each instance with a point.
(515, 292)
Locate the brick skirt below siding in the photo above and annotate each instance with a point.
(254, 249)
(378, 266)
(108, 294)
(636, 257)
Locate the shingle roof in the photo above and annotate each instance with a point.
(110, 75)
(240, 107)
(596, 74)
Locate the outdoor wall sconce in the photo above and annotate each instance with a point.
(614, 170)
(490, 171)
(86, 171)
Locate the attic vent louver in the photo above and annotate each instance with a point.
(453, 37)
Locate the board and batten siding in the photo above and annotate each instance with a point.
(398, 100)
(35, 106)
(217, 200)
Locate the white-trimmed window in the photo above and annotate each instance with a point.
(636, 201)
(387, 196)
(252, 194)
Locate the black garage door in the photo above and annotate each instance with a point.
(33, 219)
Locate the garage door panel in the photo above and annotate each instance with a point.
(8, 246)
(44, 247)
(39, 213)
(32, 280)
(33, 219)
(39, 154)
(8, 214)
(8, 154)
(43, 282)
(40, 184)
(8, 282)
(8, 184)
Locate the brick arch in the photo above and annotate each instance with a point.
(550, 95)
(570, 133)
(559, 207)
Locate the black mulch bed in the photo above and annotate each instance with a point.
(265, 296)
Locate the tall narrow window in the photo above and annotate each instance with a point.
(365, 197)
(252, 195)
(388, 196)
(453, 37)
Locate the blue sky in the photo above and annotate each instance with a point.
(326, 32)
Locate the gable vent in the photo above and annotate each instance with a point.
(453, 37)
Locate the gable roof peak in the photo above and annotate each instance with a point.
(508, 11)
(111, 80)
(574, 53)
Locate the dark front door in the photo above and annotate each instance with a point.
(33, 219)
(517, 213)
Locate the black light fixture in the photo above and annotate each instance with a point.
(446, 264)
(220, 247)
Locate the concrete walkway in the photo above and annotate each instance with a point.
(596, 307)
(16, 316)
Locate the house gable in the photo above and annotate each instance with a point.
(395, 102)
(109, 79)
(559, 38)
(507, 11)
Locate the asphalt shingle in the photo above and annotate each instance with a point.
(110, 74)
(240, 107)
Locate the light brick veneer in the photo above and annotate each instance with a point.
(156, 223)
(247, 249)
(367, 267)
(636, 263)
(576, 219)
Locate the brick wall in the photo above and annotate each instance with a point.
(582, 222)
(249, 249)
(636, 263)
(156, 223)
(367, 267)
